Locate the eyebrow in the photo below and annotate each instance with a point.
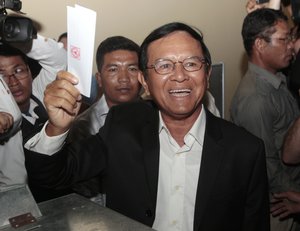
(115, 65)
(133, 64)
(14, 66)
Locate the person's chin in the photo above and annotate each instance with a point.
(19, 97)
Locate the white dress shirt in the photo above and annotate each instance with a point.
(179, 169)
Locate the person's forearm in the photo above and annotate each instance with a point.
(52, 57)
(274, 4)
(291, 149)
(44, 144)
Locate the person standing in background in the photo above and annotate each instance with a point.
(262, 103)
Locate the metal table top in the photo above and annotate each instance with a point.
(76, 213)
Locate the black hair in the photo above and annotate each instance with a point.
(112, 44)
(165, 30)
(260, 24)
(7, 50)
(63, 35)
(286, 2)
(297, 30)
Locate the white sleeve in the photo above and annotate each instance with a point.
(210, 104)
(44, 144)
(52, 57)
(9, 105)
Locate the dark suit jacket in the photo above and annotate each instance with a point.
(28, 131)
(232, 191)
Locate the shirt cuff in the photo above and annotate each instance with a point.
(44, 144)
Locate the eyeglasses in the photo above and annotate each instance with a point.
(19, 73)
(285, 40)
(166, 66)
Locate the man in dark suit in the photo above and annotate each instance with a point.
(170, 163)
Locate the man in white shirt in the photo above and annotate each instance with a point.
(168, 163)
(27, 89)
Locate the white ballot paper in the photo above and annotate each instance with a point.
(81, 39)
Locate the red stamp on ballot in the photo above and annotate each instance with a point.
(75, 52)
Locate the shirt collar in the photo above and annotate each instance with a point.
(274, 80)
(197, 130)
(102, 107)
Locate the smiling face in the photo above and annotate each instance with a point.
(119, 77)
(179, 93)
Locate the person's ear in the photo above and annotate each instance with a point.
(143, 82)
(99, 79)
(260, 44)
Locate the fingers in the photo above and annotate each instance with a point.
(281, 209)
(6, 122)
(283, 206)
(290, 195)
(252, 6)
(62, 101)
(284, 209)
(279, 196)
(282, 213)
(67, 76)
(62, 93)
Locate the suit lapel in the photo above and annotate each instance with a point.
(151, 153)
(211, 160)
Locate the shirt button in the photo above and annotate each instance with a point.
(174, 222)
(148, 213)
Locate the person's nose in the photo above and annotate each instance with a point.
(179, 73)
(291, 45)
(124, 76)
(11, 80)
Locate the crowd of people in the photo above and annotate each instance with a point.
(151, 145)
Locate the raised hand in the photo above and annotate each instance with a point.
(62, 100)
(253, 5)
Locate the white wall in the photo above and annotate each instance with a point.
(220, 21)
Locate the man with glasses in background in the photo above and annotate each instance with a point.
(262, 103)
(26, 74)
(168, 163)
